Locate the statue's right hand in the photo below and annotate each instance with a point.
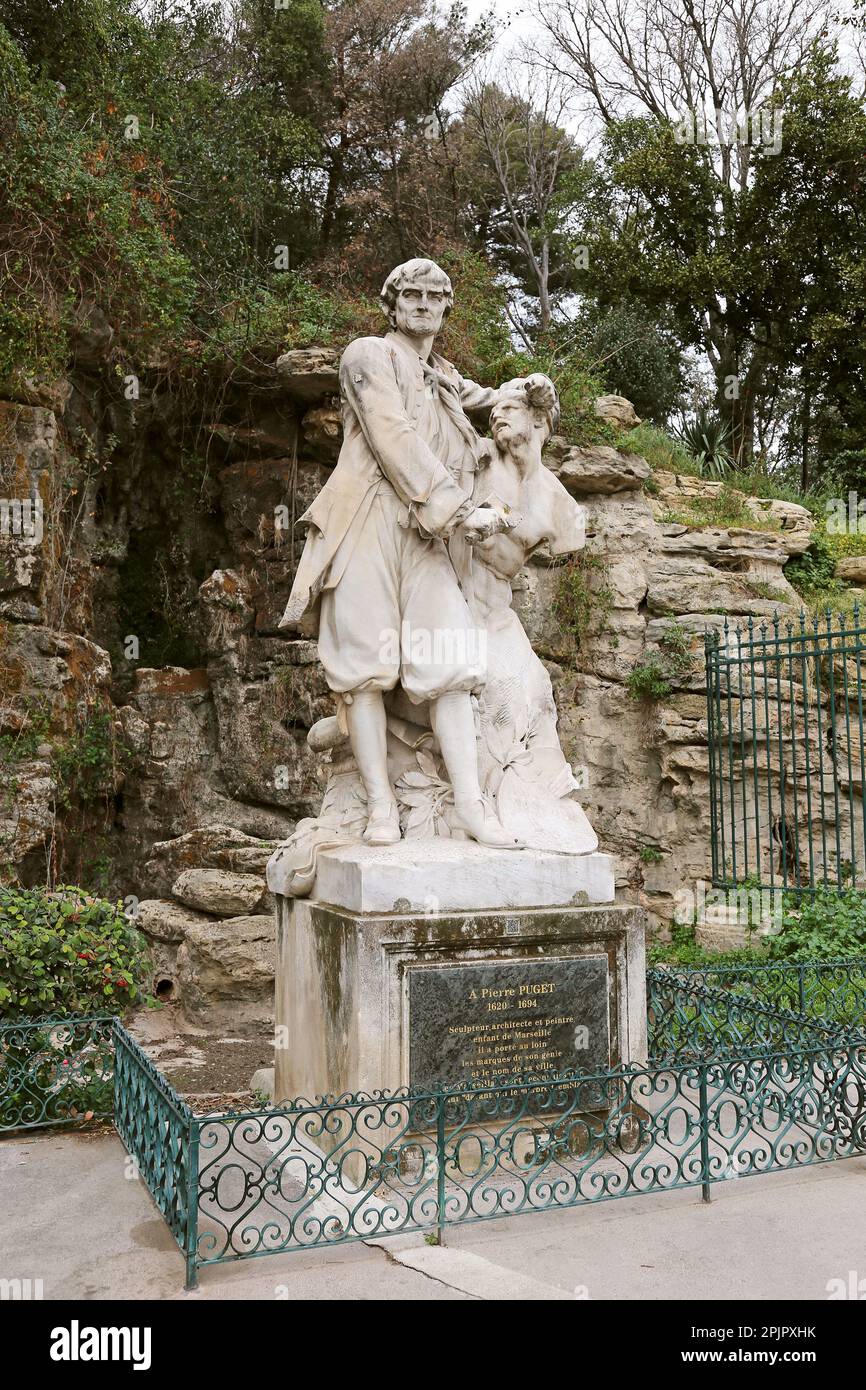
(482, 523)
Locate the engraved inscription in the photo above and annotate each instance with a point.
(471, 1023)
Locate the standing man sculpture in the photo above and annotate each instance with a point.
(376, 562)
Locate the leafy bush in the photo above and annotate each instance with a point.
(813, 572)
(286, 312)
(63, 952)
(61, 1072)
(637, 356)
(682, 949)
(648, 680)
(655, 676)
(81, 218)
(828, 926)
(650, 855)
(584, 598)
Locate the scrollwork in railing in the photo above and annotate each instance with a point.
(55, 1071)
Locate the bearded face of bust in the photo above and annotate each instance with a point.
(516, 425)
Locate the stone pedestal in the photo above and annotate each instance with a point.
(372, 998)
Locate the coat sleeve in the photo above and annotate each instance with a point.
(477, 400)
(420, 479)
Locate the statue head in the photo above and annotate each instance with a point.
(417, 297)
(515, 422)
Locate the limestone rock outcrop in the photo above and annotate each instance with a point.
(618, 410)
(141, 630)
(219, 891)
(596, 468)
(225, 970)
(852, 568)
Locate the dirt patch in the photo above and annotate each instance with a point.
(211, 1066)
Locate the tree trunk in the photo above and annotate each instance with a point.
(806, 423)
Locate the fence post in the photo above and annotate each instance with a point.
(802, 990)
(191, 1238)
(440, 1169)
(115, 1086)
(705, 1133)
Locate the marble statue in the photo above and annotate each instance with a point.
(445, 722)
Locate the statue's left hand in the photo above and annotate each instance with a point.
(541, 391)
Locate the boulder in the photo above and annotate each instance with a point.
(852, 568)
(322, 429)
(262, 1082)
(215, 846)
(796, 522)
(310, 373)
(25, 390)
(165, 920)
(226, 608)
(618, 410)
(219, 891)
(595, 468)
(226, 968)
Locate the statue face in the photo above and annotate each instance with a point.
(512, 423)
(420, 309)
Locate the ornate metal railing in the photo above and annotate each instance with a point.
(736, 1084)
(159, 1132)
(689, 1018)
(785, 710)
(364, 1167)
(833, 992)
(55, 1071)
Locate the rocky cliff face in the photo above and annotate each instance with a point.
(153, 722)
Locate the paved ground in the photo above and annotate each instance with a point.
(71, 1218)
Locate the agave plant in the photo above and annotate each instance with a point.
(707, 438)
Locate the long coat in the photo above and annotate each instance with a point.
(382, 387)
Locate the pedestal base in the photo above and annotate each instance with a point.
(384, 1000)
(443, 875)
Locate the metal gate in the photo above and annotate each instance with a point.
(785, 706)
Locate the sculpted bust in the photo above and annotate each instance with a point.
(445, 720)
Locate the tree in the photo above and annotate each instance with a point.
(636, 357)
(518, 156)
(380, 105)
(687, 94)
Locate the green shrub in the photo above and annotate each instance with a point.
(707, 438)
(63, 952)
(655, 676)
(584, 599)
(827, 926)
(648, 680)
(650, 855)
(83, 217)
(812, 573)
(682, 949)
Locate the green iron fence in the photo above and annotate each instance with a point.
(819, 990)
(55, 1071)
(729, 1012)
(785, 706)
(158, 1130)
(361, 1168)
(736, 1083)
